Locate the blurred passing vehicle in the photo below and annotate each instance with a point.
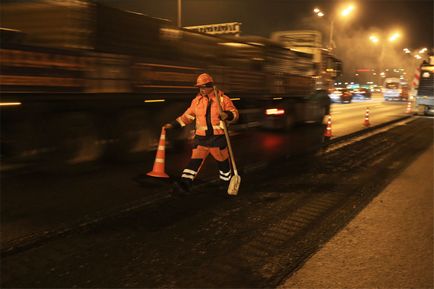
(376, 89)
(395, 90)
(361, 93)
(341, 95)
(81, 81)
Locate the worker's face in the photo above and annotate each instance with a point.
(206, 89)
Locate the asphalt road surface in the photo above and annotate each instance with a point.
(285, 211)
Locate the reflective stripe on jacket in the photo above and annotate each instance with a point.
(197, 111)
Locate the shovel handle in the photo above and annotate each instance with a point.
(225, 129)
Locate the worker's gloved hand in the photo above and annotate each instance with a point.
(168, 126)
(224, 115)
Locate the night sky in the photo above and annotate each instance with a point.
(413, 18)
(261, 17)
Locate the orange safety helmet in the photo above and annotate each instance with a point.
(204, 78)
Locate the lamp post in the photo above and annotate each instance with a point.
(343, 13)
(331, 34)
(179, 12)
(375, 39)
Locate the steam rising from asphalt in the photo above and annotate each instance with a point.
(356, 51)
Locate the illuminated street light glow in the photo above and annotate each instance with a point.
(344, 13)
(318, 12)
(423, 50)
(394, 36)
(406, 50)
(374, 38)
(418, 56)
(347, 10)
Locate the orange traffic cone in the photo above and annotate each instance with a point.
(158, 169)
(328, 131)
(408, 110)
(366, 122)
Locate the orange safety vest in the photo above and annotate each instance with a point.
(197, 111)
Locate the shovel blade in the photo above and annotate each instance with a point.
(234, 185)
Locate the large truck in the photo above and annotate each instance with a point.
(81, 81)
(425, 92)
(326, 67)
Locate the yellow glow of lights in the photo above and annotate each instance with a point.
(320, 14)
(347, 10)
(374, 38)
(274, 111)
(394, 36)
(316, 10)
(235, 98)
(9, 103)
(423, 50)
(234, 44)
(418, 56)
(155, 100)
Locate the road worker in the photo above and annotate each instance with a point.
(209, 136)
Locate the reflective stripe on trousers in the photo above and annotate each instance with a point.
(199, 154)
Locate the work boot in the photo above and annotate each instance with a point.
(181, 187)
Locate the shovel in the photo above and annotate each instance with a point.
(234, 184)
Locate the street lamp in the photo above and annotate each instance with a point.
(374, 39)
(179, 12)
(344, 13)
(393, 37)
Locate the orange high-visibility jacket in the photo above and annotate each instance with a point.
(197, 111)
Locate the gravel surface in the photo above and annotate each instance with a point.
(388, 245)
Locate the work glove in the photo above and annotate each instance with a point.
(168, 126)
(224, 115)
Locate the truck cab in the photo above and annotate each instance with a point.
(425, 92)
